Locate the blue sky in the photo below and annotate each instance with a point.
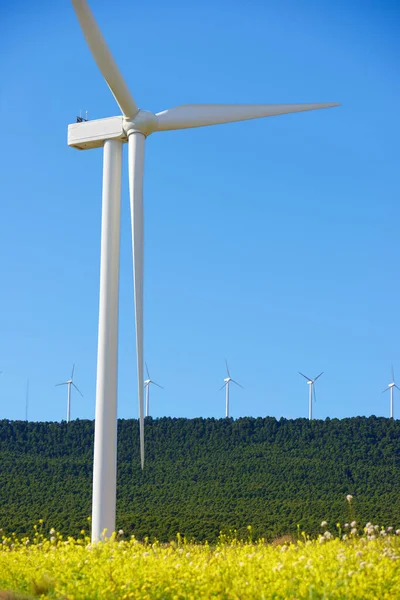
(273, 243)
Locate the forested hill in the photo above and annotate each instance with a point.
(205, 475)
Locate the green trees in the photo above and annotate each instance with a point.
(205, 475)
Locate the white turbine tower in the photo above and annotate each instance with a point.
(132, 128)
(70, 383)
(391, 387)
(147, 384)
(227, 381)
(312, 392)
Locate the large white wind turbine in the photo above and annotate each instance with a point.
(147, 384)
(132, 128)
(312, 392)
(70, 383)
(227, 381)
(391, 387)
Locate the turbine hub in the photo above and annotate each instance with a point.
(227, 379)
(144, 122)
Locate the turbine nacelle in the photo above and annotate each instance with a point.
(227, 379)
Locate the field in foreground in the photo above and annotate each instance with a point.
(366, 566)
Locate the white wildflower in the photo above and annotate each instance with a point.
(346, 525)
(53, 539)
(353, 531)
(390, 529)
(324, 524)
(121, 532)
(327, 535)
(349, 497)
(52, 531)
(353, 524)
(397, 531)
(383, 533)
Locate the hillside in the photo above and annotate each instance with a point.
(205, 475)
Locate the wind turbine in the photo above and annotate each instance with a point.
(312, 391)
(132, 127)
(147, 383)
(70, 383)
(26, 399)
(227, 381)
(390, 387)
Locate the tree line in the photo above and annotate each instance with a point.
(204, 476)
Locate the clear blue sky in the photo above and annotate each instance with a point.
(274, 243)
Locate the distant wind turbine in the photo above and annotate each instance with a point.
(26, 399)
(312, 392)
(69, 383)
(147, 383)
(390, 387)
(227, 381)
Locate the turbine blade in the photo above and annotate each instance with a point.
(136, 165)
(392, 374)
(201, 115)
(160, 386)
(147, 371)
(388, 388)
(318, 376)
(65, 383)
(72, 373)
(305, 376)
(315, 395)
(77, 389)
(227, 368)
(221, 388)
(396, 386)
(237, 383)
(104, 59)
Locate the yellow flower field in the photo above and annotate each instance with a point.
(365, 565)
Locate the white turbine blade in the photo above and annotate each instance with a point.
(136, 166)
(72, 373)
(65, 383)
(315, 395)
(147, 371)
(237, 383)
(392, 374)
(227, 368)
(388, 388)
(160, 386)
(77, 389)
(305, 376)
(104, 59)
(221, 388)
(201, 115)
(396, 386)
(318, 376)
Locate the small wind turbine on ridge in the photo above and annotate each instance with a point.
(69, 383)
(390, 387)
(227, 381)
(312, 392)
(147, 383)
